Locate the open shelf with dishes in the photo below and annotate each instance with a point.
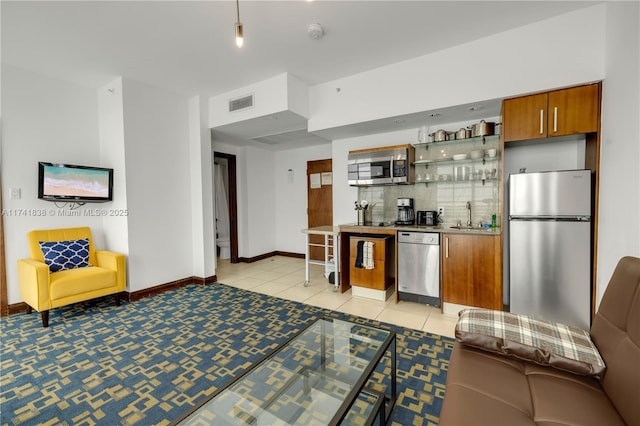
(461, 160)
(483, 140)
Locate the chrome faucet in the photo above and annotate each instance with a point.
(469, 214)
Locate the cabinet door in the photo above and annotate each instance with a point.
(525, 117)
(487, 272)
(456, 274)
(472, 270)
(574, 110)
(377, 278)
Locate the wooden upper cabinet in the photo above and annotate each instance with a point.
(558, 113)
(573, 111)
(525, 117)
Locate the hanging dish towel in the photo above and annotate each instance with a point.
(368, 255)
(359, 254)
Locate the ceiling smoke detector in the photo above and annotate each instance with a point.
(315, 31)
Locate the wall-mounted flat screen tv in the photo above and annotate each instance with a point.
(68, 182)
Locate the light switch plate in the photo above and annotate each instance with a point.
(15, 193)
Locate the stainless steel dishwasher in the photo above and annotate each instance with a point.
(419, 267)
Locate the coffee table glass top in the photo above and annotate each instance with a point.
(307, 380)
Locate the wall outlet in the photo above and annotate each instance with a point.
(441, 211)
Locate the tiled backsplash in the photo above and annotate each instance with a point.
(452, 196)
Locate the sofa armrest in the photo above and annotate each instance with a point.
(33, 281)
(115, 262)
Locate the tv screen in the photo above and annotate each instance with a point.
(67, 182)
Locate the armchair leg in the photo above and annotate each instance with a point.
(117, 299)
(45, 318)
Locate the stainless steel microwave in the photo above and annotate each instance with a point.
(381, 166)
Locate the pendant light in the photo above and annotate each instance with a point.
(239, 34)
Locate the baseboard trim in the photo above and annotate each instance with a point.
(152, 291)
(270, 254)
(205, 281)
(289, 254)
(17, 308)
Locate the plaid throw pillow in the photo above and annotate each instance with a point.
(543, 342)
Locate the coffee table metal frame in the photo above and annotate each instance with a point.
(383, 404)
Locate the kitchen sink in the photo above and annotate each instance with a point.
(471, 228)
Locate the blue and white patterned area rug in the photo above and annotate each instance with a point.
(150, 361)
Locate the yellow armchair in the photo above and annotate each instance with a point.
(43, 290)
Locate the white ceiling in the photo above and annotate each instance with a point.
(188, 46)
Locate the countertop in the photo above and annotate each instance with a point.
(392, 228)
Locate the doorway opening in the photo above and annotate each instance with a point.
(319, 203)
(226, 206)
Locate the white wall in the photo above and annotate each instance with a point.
(111, 128)
(619, 220)
(261, 209)
(201, 176)
(156, 130)
(558, 52)
(44, 119)
(290, 201)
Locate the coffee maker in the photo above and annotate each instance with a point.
(405, 211)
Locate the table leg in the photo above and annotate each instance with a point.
(326, 254)
(336, 261)
(306, 261)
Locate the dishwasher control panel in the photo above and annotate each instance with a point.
(431, 238)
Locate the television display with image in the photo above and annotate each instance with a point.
(68, 182)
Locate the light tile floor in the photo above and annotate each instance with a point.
(284, 277)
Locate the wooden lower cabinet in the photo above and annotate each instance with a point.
(472, 270)
(382, 275)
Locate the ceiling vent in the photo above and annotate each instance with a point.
(238, 104)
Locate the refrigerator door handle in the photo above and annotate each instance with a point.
(551, 218)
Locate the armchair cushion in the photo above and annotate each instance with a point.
(62, 255)
(80, 281)
(543, 342)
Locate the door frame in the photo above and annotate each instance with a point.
(4, 299)
(233, 203)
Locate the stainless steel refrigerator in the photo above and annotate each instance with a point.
(550, 246)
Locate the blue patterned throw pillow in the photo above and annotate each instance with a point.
(61, 255)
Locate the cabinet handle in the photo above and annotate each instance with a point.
(446, 247)
(555, 119)
(541, 121)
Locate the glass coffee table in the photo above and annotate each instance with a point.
(316, 377)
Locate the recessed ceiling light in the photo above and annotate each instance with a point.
(476, 108)
(435, 114)
(399, 120)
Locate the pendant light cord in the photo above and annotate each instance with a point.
(238, 10)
